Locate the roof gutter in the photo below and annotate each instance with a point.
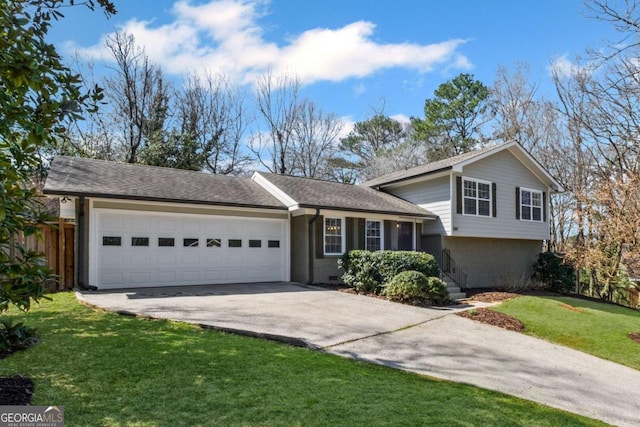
(406, 178)
(369, 211)
(310, 238)
(157, 199)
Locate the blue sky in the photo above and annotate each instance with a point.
(349, 54)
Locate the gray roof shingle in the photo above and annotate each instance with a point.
(315, 193)
(73, 176)
(427, 168)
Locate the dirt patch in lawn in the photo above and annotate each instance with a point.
(635, 336)
(494, 318)
(15, 390)
(493, 296)
(570, 307)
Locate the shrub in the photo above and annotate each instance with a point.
(407, 286)
(554, 274)
(361, 271)
(14, 337)
(437, 291)
(370, 271)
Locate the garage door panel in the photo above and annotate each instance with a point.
(164, 224)
(112, 222)
(166, 259)
(111, 279)
(166, 277)
(140, 277)
(153, 265)
(191, 276)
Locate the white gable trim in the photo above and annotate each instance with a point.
(274, 190)
(522, 155)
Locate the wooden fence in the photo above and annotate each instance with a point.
(57, 245)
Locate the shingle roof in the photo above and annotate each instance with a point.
(428, 168)
(73, 176)
(315, 193)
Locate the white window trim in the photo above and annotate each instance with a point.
(478, 181)
(530, 207)
(381, 222)
(343, 226)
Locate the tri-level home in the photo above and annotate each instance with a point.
(484, 216)
(492, 208)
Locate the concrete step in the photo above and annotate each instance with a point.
(457, 295)
(454, 290)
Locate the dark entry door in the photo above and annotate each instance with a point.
(405, 236)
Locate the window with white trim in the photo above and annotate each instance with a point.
(373, 235)
(476, 197)
(333, 236)
(530, 205)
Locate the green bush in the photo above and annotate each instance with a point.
(14, 337)
(414, 286)
(554, 274)
(369, 271)
(437, 291)
(407, 286)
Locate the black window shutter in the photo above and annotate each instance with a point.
(387, 234)
(517, 202)
(544, 206)
(319, 225)
(418, 236)
(361, 234)
(459, 194)
(494, 202)
(350, 234)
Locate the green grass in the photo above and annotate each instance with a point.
(596, 328)
(110, 370)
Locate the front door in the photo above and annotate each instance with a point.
(405, 236)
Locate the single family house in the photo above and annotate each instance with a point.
(483, 213)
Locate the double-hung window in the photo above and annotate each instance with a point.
(373, 235)
(476, 197)
(333, 236)
(530, 205)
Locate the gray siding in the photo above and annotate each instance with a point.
(433, 195)
(300, 248)
(494, 263)
(508, 173)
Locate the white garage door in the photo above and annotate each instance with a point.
(135, 249)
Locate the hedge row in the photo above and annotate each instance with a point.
(369, 271)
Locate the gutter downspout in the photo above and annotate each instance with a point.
(80, 245)
(81, 254)
(310, 239)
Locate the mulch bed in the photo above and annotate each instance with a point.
(494, 318)
(15, 390)
(635, 336)
(493, 296)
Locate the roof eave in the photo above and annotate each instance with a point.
(382, 212)
(51, 192)
(407, 178)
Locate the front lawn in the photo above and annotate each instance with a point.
(110, 370)
(593, 327)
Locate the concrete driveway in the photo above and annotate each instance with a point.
(426, 341)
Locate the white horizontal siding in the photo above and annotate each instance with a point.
(434, 196)
(508, 173)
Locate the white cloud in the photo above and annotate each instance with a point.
(402, 118)
(564, 67)
(347, 126)
(359, 89)
(225, 35)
